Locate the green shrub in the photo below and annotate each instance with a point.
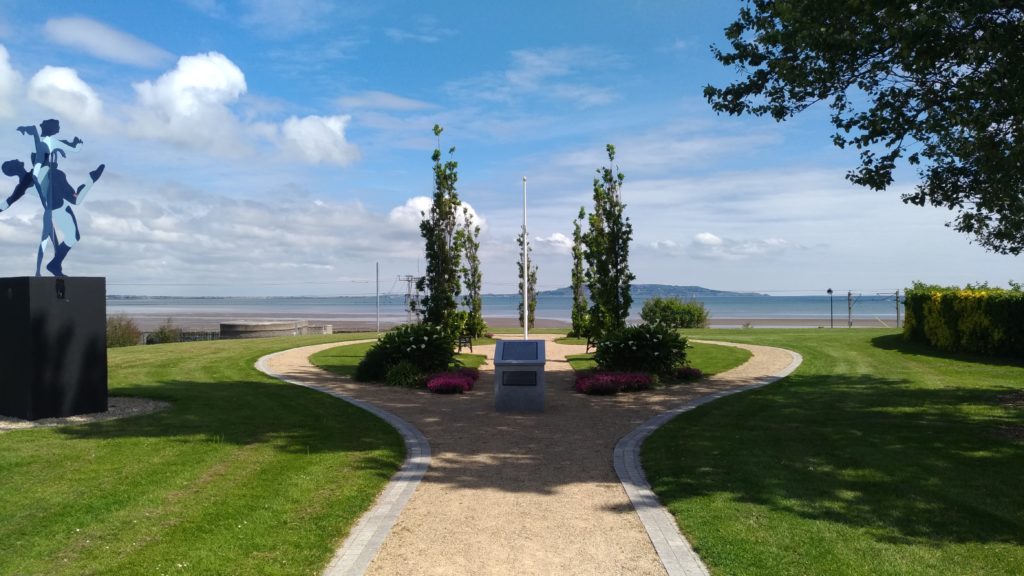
(404, 374)
(165, 334)
(424, 346)
(122, 331)
(674, 313)
(373, 367)
(975, 319)
(650, 348)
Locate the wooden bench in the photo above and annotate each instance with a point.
(465, 340)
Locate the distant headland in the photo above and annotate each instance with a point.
(663, 290)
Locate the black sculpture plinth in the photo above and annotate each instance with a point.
(53, 354)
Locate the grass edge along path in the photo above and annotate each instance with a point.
(875, 457)
(243, 474)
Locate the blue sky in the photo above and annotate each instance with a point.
(256, 147)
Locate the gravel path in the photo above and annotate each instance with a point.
(522, 493)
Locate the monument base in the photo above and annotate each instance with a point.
(519, 376)
(53, 353)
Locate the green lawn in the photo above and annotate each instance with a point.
(709, 358)
(242, 475)
(874, 457)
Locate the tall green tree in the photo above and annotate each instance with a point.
(531, 287)
(443, 246)
(606, 253)
(472, 279)
(937, 83)
(579, 297)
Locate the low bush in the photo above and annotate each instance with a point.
(165, 334)
(674, 313)
(424, 346)
(451, 382)
(122, 331)
(603, 383)
(404, 375)
(651, 348)
(689, 373)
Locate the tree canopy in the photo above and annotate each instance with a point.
(443, 245)
(606, 253)
(937, 83)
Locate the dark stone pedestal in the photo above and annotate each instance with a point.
(53, 354)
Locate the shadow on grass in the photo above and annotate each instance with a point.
(905, 463)
(288, 418)
(896, 343)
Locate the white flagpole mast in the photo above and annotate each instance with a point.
(526, 272)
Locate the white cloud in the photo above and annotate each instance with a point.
(104, 42)
(193, 105)
(190, 104)
(319, 139)
(401, 35)
(709, 246)
(197, 84)
(557, 242)
(427, 31)
(558, 73)
(665, 245)
(382, 101)
(409, 215)
(212, 8)
(280, 19)
(10, 84)
(707, 239)
(61, 90)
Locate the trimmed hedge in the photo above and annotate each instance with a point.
(975, 319)
(654, 349)
(675, 313)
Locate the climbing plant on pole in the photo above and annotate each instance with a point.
(579, 298)
(532, 281)
(606, 252)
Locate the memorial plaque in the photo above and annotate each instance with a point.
(525, 350)
(519, 378)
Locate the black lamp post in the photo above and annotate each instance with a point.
(831, 323)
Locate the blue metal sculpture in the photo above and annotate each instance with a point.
(60, 227)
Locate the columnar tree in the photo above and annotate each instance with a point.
(471, 276)
(531, 286)
(939, 84)
(443, 246)
(579, 297)
(606, 253)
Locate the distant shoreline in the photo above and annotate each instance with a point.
(148, 322)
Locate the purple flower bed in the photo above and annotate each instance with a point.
(611, 382)
(450, 382)
(472, 373)
(689, 373)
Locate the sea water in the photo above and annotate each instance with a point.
(393, 308)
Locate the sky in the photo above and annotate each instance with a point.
(272, 148)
